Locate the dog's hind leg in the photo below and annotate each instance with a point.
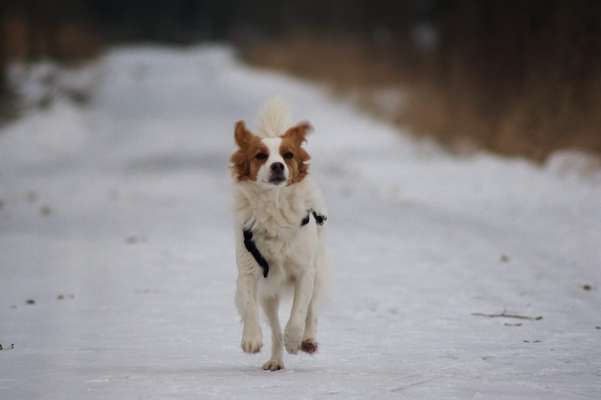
(309, 344)
(303, 292)
(270, 307)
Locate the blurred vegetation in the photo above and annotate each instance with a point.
(516, 77)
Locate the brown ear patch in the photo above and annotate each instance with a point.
(293, 153)
(241, 134)
(244, 162)
(298, 133)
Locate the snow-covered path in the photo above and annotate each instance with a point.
(121, 207)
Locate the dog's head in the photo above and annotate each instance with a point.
(272, 161)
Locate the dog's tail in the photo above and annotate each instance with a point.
(274, 118)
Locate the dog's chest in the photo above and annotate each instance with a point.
(276, 240)
(277, 230)
(275, 219)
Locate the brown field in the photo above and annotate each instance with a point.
(541, 113)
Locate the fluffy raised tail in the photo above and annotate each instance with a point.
(274, 118)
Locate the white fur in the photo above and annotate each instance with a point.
(273, 119)
(273, 144)
(296, 256)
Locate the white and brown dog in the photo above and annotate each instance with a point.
(280, 229)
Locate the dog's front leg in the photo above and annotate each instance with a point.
(270, 306)
(303, 292)
(246, 301)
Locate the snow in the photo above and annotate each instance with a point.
(122, 206)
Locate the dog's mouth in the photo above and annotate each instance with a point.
(277, 180)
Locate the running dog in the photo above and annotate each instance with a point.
(280, 230)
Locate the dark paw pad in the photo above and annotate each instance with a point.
(309, 346)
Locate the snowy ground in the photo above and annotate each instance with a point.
(122, 205)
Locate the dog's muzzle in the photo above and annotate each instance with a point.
(277, 173)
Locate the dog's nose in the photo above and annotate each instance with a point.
(277, 167)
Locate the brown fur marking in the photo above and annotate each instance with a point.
(309, 346)
(245, 164)
(292, 142)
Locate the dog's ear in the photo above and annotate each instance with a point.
(298, 133)
(240, 162)
(241, 134)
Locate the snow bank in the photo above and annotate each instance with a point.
(114, 220)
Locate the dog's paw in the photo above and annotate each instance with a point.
(252, 343)
(273, 365)
(309, 346)
(292, 338)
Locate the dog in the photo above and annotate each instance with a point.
(280, 228)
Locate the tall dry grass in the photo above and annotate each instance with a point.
(532, 117)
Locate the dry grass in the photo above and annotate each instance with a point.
(23, 40)
(544, 114)
(343, 63)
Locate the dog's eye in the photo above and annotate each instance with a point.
(261, 156)
(288, 155)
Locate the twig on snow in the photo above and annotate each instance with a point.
(505, 315)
